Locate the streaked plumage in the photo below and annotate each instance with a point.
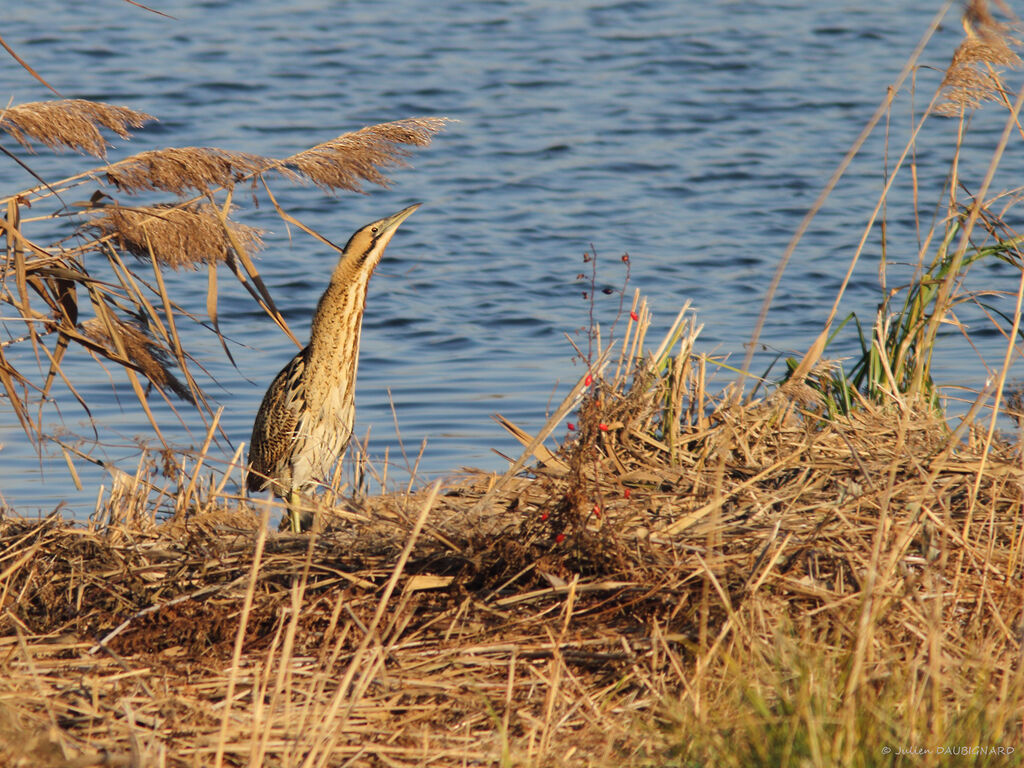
(306, 418)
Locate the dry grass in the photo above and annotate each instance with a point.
(646, 597)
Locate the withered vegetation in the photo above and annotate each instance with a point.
(632, 590)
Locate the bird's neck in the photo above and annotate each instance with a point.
(334, 337)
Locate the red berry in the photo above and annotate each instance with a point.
(597, 511)
(634, 316)
(588, 381)
(543, 516)
(625, 493)
(560, 538)
(625, 258)
(571, 426)
(603, 427)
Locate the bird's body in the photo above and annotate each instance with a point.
(306, 418)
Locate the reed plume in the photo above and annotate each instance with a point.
(973, 76)
(70, 123)
(180, 169)
(344, 162)
(341, 163)
(175, 235)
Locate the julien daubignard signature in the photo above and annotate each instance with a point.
(956, 749)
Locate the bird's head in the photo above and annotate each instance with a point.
(366, 246)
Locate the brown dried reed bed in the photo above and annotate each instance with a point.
(599, 609)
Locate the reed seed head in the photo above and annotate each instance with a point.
(349, 159)
(343, 162)
(181, 169)
(177, 236)
(973, 76)
(71, 123)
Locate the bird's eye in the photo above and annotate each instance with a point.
(374, 230)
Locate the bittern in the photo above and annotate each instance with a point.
(306, 418)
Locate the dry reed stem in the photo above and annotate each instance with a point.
(72, 123)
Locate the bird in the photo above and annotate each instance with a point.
(305, 421)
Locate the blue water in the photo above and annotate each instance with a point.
(692, 135)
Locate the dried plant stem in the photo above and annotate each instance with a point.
(999, 385)
(852, 152)
(946, 287)
(243, 622)
(329, 737)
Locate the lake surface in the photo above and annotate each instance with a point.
(693, 136)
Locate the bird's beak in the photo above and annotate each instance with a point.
(390, 224)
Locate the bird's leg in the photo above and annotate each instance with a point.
(294, 516)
